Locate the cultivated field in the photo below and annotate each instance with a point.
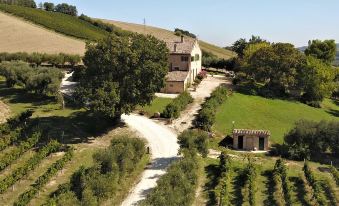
(17, 35)
(165, 35)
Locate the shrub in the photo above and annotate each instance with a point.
(206, 116)
(173, 109)
(178, 185)
(195, 140)
(282, 184)
(223, 188)
(335, 174)
(97, 183)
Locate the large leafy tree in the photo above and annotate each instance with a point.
(276, 66)
(318, 79)
(324, 50)
(122, 72)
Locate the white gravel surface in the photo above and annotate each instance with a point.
(164, 149)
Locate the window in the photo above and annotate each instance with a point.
(176, 68)
(171, 85)
(192, 58)
(197, 57)
(184, 59)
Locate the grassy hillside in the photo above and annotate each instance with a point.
(166, 35)
(28, 37)
(58, 22)
(278, 116)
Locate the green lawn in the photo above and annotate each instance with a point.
(62, 23)
(158, 105)
(278, 116)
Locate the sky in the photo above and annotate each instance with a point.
(224, 21)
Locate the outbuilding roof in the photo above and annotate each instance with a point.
(264, 133)
(176, 76)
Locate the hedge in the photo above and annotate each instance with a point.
(178, 185)
(36, 58)
(27, 196)
(20, 172)
(318, 194)
(250, 187)
(223, 188)
(206, 116)
(282, 194)
(173, 109)
(16, 152)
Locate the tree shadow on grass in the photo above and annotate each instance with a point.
(212, 172)
(80, 127)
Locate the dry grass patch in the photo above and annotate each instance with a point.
(17, 35)
(4, 109)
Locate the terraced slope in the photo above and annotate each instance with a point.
(165, 35)
(17, 35)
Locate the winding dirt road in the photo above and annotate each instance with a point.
(164, 149)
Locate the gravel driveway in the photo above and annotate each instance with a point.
(164, 149)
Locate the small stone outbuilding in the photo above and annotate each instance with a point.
(252, 140)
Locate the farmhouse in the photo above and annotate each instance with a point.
(245, 139)
(184, 64)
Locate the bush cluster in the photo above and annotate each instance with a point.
(178, 185)
(10, 131)
(250, 187)
(282, 194)
(318, 194)
(211, 60)
(27, 196)
(16, 152)
(309, 139)
(194, 140)
(223, 188)
(40, 80)
(180, 32)
(39, 58)
(206, 116)
(91, 186)
(62, 23)
(173, 109)
(17, 174)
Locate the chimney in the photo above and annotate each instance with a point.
(182, 38)
(175, 47)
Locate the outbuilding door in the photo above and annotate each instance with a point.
(261, 143)
(241, 142)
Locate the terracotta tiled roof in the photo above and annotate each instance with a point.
(184, 47)
(251, 132)
(176, 76)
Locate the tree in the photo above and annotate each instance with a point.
(122, 72)
(276, 67)
(48, 6)
(324, 50)
(66, 9)
(239, 47)
(318, 80)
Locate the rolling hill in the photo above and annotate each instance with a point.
(164, 34)
(21, 36)
(17, 35)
